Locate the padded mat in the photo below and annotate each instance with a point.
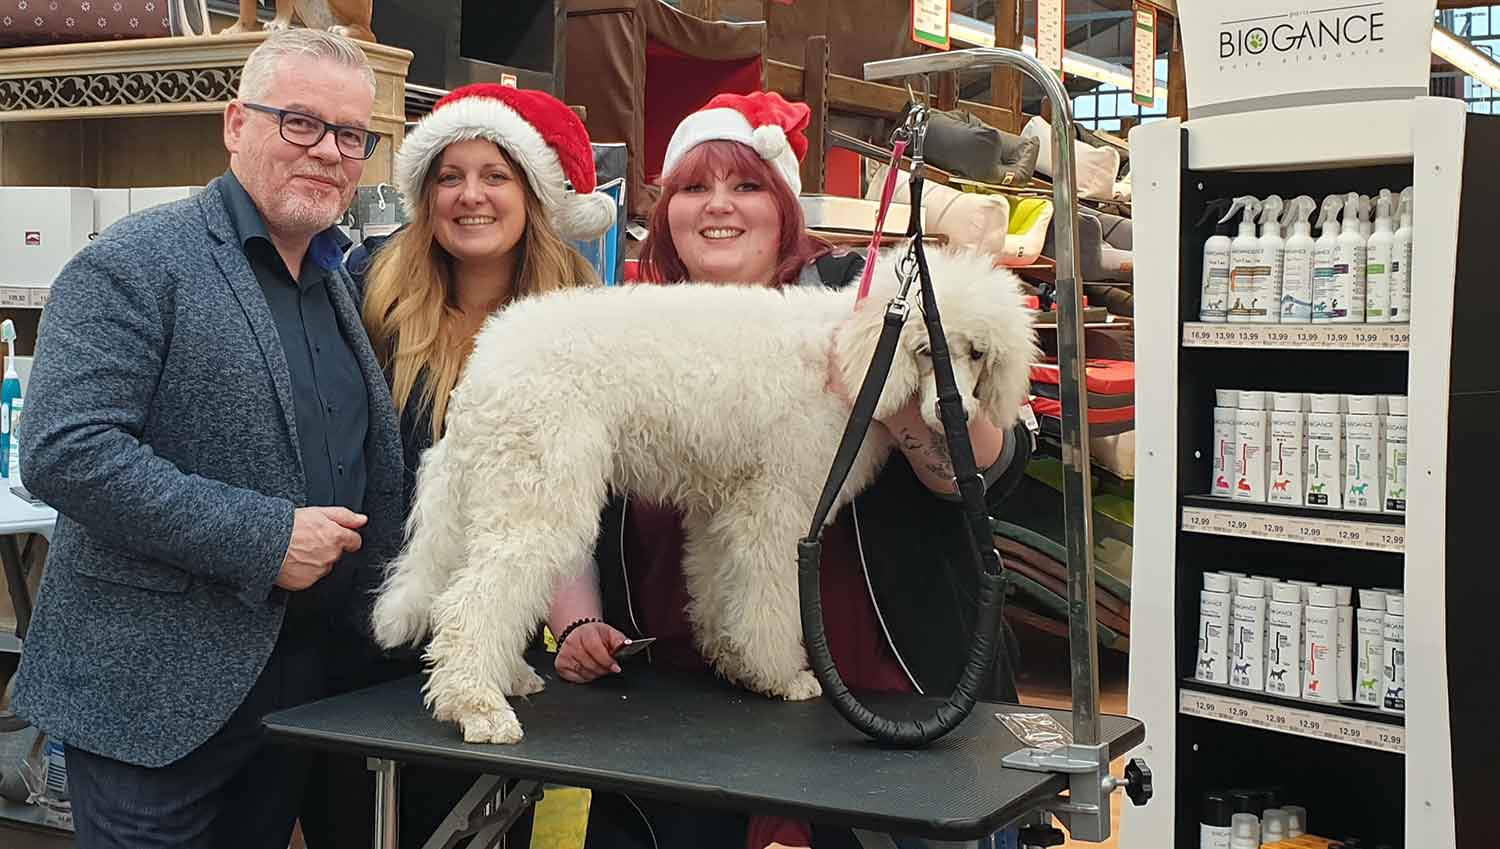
(698, 741)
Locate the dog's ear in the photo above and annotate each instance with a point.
(854, 347)
(1005, 372)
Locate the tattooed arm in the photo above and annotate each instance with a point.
(927, 451)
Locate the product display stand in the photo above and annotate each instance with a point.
(1422, 780)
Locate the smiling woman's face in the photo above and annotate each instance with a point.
(726, 229)
(478, 202)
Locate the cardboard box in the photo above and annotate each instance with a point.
(40, 230)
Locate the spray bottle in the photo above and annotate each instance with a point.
(1401, 262)
(1378, 254)
(10, 393)
(1366, 206)
(1269, 272)
(1325, 305)
(1297, 263)
(1349, 266)
(1214, 303)
(1244, 258)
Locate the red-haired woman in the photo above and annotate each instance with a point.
(898, 584)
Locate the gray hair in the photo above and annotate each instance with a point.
(255, 80)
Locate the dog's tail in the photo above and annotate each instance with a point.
(434, 550)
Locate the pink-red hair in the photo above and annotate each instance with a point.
(701, 165)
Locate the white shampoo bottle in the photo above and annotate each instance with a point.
(1349, 267)
(1393, 675)
(1297, 264)
(1325, 452)
(1252, 434)
(1213, 629)
(1393, 491)
(1321, 672)
(1225, 413)
(1369, 647)
(1247, 666)
(1344, 640)
(1288, 436)
(1325, 263)
(1362, 455)
(1401, 262)
(1284, 641)
(1245, 303)
(1213, 303)
(1378, 254)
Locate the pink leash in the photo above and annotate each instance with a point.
(885, 206)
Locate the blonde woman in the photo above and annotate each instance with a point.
(484, 177)
(485, 181)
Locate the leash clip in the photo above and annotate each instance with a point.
(906, 274)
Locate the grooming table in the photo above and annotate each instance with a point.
(698, 741)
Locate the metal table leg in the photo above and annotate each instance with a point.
(387, 802)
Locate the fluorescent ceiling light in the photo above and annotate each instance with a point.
(1463, 56)
(977, 33)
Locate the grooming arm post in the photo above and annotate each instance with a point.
(1077, 492)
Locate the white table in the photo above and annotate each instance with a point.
(18, 516)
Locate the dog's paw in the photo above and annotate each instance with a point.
(278, 25)
(345, 31)
(803, 686)
(397, 623)
(497, 726)
(526, 683)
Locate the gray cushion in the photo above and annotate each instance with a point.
(960, 143)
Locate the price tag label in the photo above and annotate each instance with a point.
(1308, 724)
(1197, 334)
(1345, 730)
(1232, 523)
(1348, 535)
(1273, 717)
(1390, 738)
(39, 297)
(1196, 520)
(1399, 338)
(15, 297)
(1273, 526)
(1386, 537)
(1198, 704)
(1237, 711)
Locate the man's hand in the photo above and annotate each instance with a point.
(320, 536)
(588, 653)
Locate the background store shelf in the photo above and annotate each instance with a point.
(1305, 525)
(1354, 726)
(1333, 337)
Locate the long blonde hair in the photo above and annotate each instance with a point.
(411, 310)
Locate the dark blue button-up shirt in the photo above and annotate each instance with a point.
(332, 408)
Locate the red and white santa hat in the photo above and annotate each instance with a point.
(539, 133)
(763, 120)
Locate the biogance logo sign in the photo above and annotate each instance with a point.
(1269, 54)
(1310, 35)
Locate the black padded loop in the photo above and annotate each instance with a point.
(991, 602)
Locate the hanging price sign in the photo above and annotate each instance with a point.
(1050, 28)
(929, 23)
(1143, 83)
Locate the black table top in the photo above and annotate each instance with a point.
(694, 740)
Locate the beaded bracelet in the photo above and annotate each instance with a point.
(573, 625)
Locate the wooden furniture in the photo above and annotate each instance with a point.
(145, 112)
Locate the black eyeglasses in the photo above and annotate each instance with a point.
(307, 131)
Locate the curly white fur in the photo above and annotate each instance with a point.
(710, 397)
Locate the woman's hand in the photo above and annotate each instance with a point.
(588, 653)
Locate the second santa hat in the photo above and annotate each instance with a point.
(762, 120)
(539, 133)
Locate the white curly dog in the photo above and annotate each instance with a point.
(713, 398)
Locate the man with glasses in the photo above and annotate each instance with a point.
(209, 420)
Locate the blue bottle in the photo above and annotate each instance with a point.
(10, 392)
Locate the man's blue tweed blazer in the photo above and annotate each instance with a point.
(159, 422)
